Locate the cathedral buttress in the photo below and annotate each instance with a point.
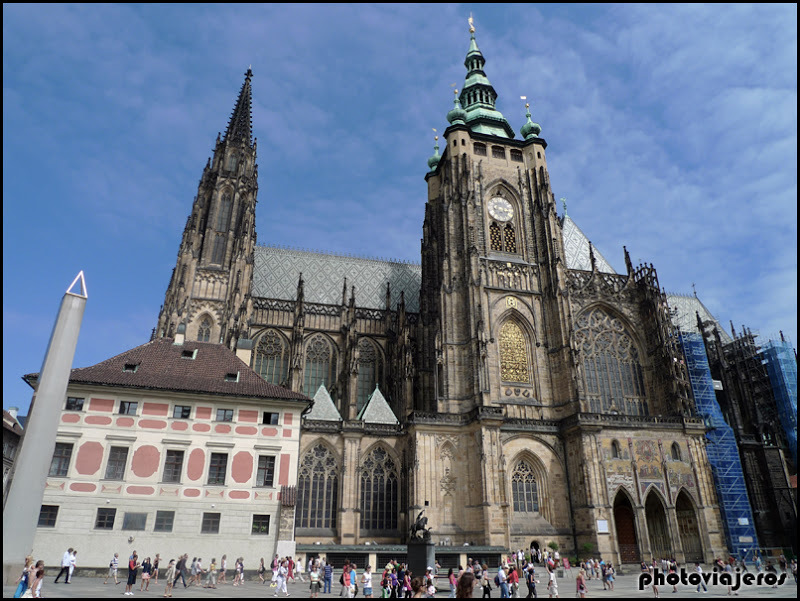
(209, 290)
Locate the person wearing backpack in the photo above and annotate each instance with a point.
(487, 588)
(501, 581)
(530, 580)
(344, 580)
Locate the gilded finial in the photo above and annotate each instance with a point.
(471, 24)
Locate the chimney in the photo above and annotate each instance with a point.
(180, 336)
(12, 411)
(244, 349)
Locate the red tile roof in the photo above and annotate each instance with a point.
(160, 365)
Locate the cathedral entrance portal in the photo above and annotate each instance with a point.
(657, 526)
(688, 528)
(626, 529)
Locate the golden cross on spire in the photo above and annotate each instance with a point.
(471, 24)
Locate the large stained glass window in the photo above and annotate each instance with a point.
(317, 489)
(204, 331)
(524, 491)
(271, 360)
(320, 364)
(611, 369)
(513, 354)
(379, 492)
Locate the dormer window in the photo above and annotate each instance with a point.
(232, 377)
(130, 367)
(187, 354)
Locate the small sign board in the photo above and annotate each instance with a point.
(602, 526)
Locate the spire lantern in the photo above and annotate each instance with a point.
(457, 115)
(433, 162)
(530, 130)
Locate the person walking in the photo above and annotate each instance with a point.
(485, 584)
(314, 578)
(298, 566)
(147, 569)
(580, 583)
(283, 576)
(154, 574)
(211, 579)
(366, 582)
(453, 582)
(24, 579)
(37, 580)
(344, 580)
(530, 581)
(66, 561)
(465, 586)
(133, 566)
(262, 570)
(72, 565)
(113, 569)
(169, 577)
(552, 586)
(327, 577)
(699, 570)
(223, 567)
(180, 569)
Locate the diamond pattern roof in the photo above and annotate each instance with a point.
(277, 270)
(324, 409)
(684, 307)
(576, 249)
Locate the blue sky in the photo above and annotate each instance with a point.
(671, 129)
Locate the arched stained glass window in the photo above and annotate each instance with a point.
(496, 237)
(509, 239)
(218, 254)
(204, 331)
(513, 354)
(369, 371)
(611, 369)
(320, 364)
(524, 491)
(317, 489)
(271, 359)
(379, 491)
(225, 210)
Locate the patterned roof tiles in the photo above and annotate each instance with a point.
(576, 249)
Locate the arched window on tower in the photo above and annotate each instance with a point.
(676, 452)
(379, 492)
(611, 369)
(524, 490)
(496, 237)
(218, 254)
(233, 161)
(509, 239)
(615, 451)
(317, 489)
(204, 331)
(225, 210)
(271, 359)
(320, 364)
(369, 371)
(513, 354)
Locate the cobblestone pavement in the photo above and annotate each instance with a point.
(626, 586)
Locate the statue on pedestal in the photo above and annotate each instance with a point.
(420, 530)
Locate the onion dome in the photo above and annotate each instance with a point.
(436, 157)
(530, 129)
(457, 115)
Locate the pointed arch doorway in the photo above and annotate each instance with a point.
(688, 528)
(656, 515)
(625, 522)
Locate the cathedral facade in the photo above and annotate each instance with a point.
(512, 385)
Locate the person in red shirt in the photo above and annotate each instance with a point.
(291, 569)
(513, 581)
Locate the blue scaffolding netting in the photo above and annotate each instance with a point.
(781, 365)
(723, 452)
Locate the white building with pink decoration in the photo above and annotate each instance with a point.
(172, 447)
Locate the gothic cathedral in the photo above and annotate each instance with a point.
(513, 385)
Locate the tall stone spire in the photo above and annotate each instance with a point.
(478, 96)
(240, 126)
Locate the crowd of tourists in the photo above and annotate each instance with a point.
(517, 571)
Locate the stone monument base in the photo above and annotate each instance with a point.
(421, 556)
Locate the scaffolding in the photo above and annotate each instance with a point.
(723, 453)
(781, 362)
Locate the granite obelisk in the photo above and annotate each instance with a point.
(24, 499)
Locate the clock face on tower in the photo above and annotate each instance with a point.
(500, 209)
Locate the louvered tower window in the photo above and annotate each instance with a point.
(317, 489)
(320, 364)
(513, 354)
(379, 492)
(272, 358)
(611, 369)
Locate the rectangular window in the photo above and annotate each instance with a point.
(173, 466)
(498, 152)
(59, 466)
(117, 458)
(260, 524)
(47, 516)
(270, 419)
(516, 155)
(266, 471)
(217, 468)
(210, 523)
(134, 521)
(74, 404)
(480, 149)
(164, 521)
(182, 412)
(128, 407)
(105, 518)
(224, 415)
